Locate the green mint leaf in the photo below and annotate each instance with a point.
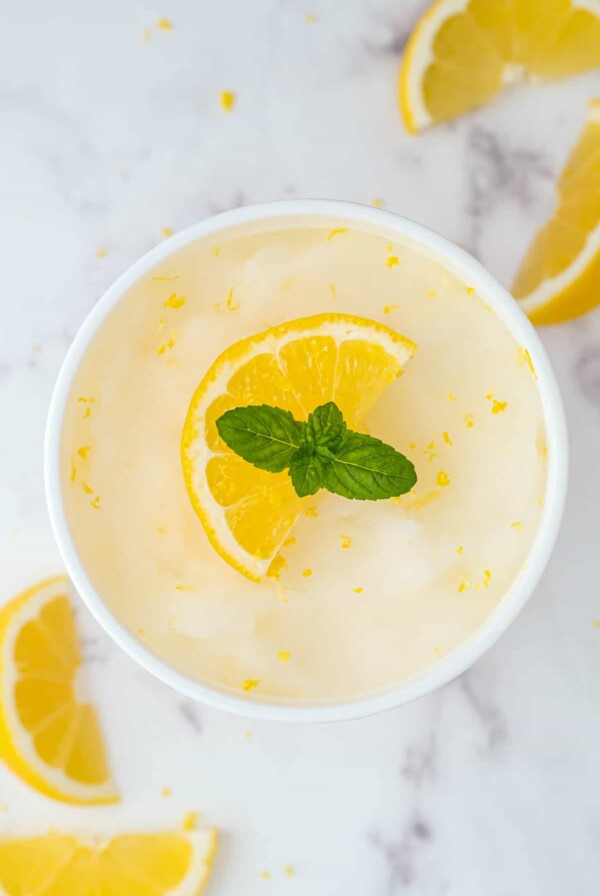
(325, 430)
(265, 436)
(307, 472)
(367, 469)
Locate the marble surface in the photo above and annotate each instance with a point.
(489, 786)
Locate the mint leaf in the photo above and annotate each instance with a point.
(367, 469)
(321, 453)
(325, 431)
(307, 472)
(265, 436)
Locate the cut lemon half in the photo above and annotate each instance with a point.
(247, 513)
(463, 52)
(161, 864)
(560, 276)
(49, 734)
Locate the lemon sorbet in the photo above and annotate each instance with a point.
(225, 570)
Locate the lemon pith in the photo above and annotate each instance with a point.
(559, 277)
(462, 53)
(247, 513)
(162, 864)
(48, 736)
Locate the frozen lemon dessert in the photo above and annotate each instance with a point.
(303, 460)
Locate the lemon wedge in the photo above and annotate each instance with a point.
(247, 513)
(49, 733)
(560, 275)
(462, 53)
(158, 864)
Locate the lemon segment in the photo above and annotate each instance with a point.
(247, 513)
(559, 277)
(49, 736)
(462, 53)
(158, 864)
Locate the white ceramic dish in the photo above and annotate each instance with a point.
(469, 270)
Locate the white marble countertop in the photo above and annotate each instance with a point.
(489, 786)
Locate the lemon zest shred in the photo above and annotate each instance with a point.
(166, 792)
(96, 503)
(460, 549)
(227, 99)
(498, 406)
(250, 683)
(524, 358)
(311, 511)
(469, 421)
(284, 655)
(336, 231)
(165, 24)
(470, 290)
(175, 301)
(392, 261)
(166, 279)
(464, 584)
(387, 309)
(183, 588)
(307, 573)
(431, 294)
(291, 539)
(73, 473)
(87, 488)
(358, 590)
(332, 289)
(189, 821)
(377, 202)
(84, 451)
(451, 396)
(230, 304)
(446, 438)
(518, 525)
(346, 541)
(442, 479)
(87, 413)
(278, 563)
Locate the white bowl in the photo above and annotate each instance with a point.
(466, 268)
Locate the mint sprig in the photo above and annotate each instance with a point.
(321, 453)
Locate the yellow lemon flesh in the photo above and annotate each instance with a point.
(463, 52)
(560, 276)
(247, 513)
(160, 864)
(49, 734)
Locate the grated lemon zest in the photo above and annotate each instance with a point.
(464, 584)
(392, 261)
(87, 489)
(358, 590)
(165, 24)
(469, 421)
(470, 290)
(190, 819)
(87, 413)
(332, 289)
(310, 511)
(346, 541)
(84, 451)
(451, 396)
(175, 301)
(166, 279)
(431, 294)
(446, 438)
(377, 203)
(518, 525)
(524, 358)
(183, 588)
(290, 540)
(230, 304)
(278, 563)
(335, 232)
(307, 572)
(443, 479)
(387, 309)
(96, 503)
(460, 549)
(498, 406)
(250, 683)
(284, 655)
(227, 99)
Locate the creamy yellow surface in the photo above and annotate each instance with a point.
(373, 592)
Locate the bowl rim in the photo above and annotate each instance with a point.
(462, 657)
